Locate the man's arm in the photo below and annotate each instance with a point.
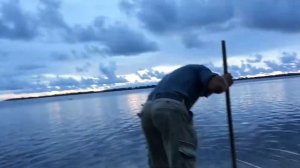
(219, 84)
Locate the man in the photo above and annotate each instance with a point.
(167, 119)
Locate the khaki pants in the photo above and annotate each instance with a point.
(171, 138)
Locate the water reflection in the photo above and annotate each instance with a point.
(54, 112)
(135, 101)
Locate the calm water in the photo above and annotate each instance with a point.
(102, 130)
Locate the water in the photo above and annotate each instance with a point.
(102, 130)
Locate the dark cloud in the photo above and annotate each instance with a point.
(257, 59)
(50, 17)
(179, 17)
(80, 54)
(21, 84)
(108, 69)
(73, 55)
(92, 49)
(65, 83)
(279, 15)
(26, 84)
(191, 40)
(10, 83)
(289, 62)
(273, 66)
(287, 58)
(163, 16)
(246, 69)
(15, 23)
(199, 13)
(117, 39)
(182, 17)
(60, 56)
(236, 71)
(252, 70)
(221, 27)
(30, 67)
(80, 69)
(83, 68)
(21, 71)
(127, 7)
(158, 16)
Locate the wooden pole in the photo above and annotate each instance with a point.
(228, 107)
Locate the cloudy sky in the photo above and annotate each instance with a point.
(51, 46)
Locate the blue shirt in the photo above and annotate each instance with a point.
(190, 82)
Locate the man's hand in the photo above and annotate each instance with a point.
(228, 79)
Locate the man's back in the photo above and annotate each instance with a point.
(189, 81)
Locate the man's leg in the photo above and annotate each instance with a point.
(156, 154)
(179, 138)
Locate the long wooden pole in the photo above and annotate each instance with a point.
(228, 107)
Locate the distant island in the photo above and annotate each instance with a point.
(149, 86)
(270, 76)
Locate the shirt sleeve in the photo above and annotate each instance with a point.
(205, 76)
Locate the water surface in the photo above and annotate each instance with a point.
(102, 130)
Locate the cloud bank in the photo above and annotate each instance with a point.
(41, 51)
(288, 62)
(163, 16)
(49, 24)
(206, 17)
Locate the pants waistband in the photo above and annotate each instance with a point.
(174, 101)
(172, 96)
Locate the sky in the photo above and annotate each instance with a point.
(51, 46)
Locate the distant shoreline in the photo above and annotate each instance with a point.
(148, 86)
